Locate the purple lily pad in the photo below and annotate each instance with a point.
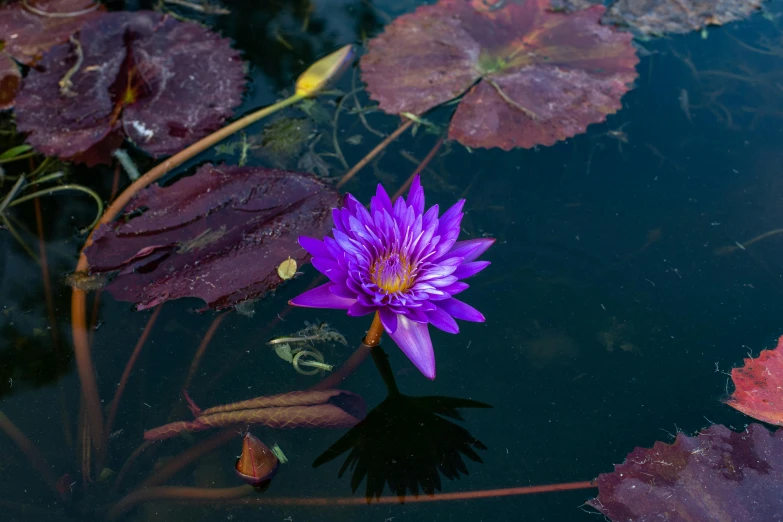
(162, 83)
(529, 76)
(26, 35)
(218, 235)
(717, 475)
(657, 17)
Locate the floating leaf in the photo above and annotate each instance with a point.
(287, 269)
(160, 82)
(717, 475)
(657, 17)
(759, 386)
(26, 33)
(218, 235)
(532, 76)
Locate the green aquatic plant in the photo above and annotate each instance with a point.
(284, 139)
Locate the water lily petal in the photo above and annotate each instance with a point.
(380, 201)
(358, 309)
(389, 320)
(442, 321)
(460, 310)
(321, 297)
(470, 269)
(314, 247)
(414, 340)
(416, 196)
(471, 249)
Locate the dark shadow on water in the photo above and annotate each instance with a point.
(406, 442)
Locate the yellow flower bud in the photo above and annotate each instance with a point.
(325, 70)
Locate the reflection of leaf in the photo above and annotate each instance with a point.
(160, 82)
(532, 76)
(759, 386)
(717, 475)
(656, 17)
(26, 35)
(258, 212)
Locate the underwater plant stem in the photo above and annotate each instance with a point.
(743, 246)
(333, 380)
(177, 493)
(84, 366)
(60, 188)
(32, 453)
(81, 345)
(374, 152)
(371, 339)
(235, 496)
(173, 466)
(420, 168)
(126, 373)
(126, 467)
(201, 349)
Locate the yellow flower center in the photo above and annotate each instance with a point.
(392, 273)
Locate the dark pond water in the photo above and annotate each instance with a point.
(612, 314)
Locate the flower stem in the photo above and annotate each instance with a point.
(373, 337)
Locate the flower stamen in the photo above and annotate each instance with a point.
(392, 273)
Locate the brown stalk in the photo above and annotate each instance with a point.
(128, 369)
(30, 450)
(201, 349)
(374, 152)
(423, 165)
(81, 344)
(236, 496)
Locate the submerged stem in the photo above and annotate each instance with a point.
(374, 152)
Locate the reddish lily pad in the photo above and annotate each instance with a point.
(162, 83)
(657, 17)
(532, 76)
(759, 386)
(218, 235)
(27, 32)
(717, 475)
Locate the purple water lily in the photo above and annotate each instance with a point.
(401, 262)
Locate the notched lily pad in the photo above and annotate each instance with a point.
(28, 32)
(717, 475)
(529, 76)
(759, 386)
(218, 235)
(658, 17)
(162, 83)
